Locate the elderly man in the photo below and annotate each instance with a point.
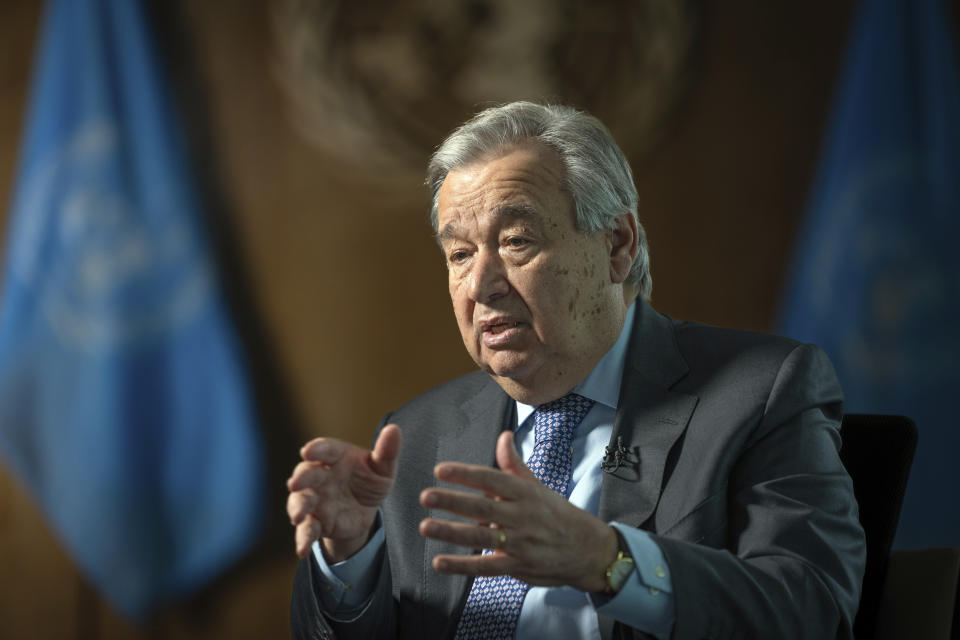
(625, 474)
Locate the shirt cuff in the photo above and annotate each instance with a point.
(346, 587)
(646, 600)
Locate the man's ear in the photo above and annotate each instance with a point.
(623, 241)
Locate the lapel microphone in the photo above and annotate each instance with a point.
(616, 457)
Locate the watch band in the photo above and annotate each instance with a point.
(620, 569)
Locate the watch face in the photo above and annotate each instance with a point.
(619, 573)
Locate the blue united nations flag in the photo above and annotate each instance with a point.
(876, 277)
(124, 408)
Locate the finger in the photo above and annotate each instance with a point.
(306, 474)
(306, 534)
(300, 504)
(477, 507)
(491, 564)
(470, 536)
(325, 450)
(295, 478)
(508, 459)
(383, 460)
(492, 481)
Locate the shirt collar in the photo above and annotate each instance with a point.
(603, 383)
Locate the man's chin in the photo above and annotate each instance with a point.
(533, 381)
(509, 366)
(518, 381)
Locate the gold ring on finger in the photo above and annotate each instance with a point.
(503, 540)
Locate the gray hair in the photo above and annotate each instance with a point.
(597, 173)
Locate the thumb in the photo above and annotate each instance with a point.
(508, 459)
(383, 459)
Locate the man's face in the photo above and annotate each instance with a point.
(535, 299)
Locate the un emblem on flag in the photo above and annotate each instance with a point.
(107, 245)
(881, 285)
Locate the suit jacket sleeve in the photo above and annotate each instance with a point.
(458, 420)
(793, 555)
(308, 621)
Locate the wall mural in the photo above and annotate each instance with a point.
(376, 85)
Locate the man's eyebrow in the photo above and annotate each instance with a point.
(448, 232)
(519, 211)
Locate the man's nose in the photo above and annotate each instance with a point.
(488, 277)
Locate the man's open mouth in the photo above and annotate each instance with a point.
(500, 327)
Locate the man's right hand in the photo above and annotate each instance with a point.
(336, 491)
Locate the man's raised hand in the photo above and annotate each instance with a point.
(538, 535)
(336, 491)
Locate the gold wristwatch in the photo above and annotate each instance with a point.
(621, 568)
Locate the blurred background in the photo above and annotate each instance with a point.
(307, 126)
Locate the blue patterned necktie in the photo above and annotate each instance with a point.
(493, 606)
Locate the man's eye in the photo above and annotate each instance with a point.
(517, 241)
(457, 256)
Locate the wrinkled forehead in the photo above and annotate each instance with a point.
(523, 183)
(503, 215)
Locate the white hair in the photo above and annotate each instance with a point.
(597, 174)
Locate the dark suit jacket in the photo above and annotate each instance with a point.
(737, 477)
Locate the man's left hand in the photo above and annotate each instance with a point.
(539, 537)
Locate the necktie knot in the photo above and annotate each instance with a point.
(558, 419)
(554, 424)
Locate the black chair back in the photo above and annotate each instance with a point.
(877, 452)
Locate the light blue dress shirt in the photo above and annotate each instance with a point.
(645, 601)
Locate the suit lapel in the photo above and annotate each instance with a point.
(650, 418)
(471, 438)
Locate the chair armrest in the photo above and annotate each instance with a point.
(921, 597)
